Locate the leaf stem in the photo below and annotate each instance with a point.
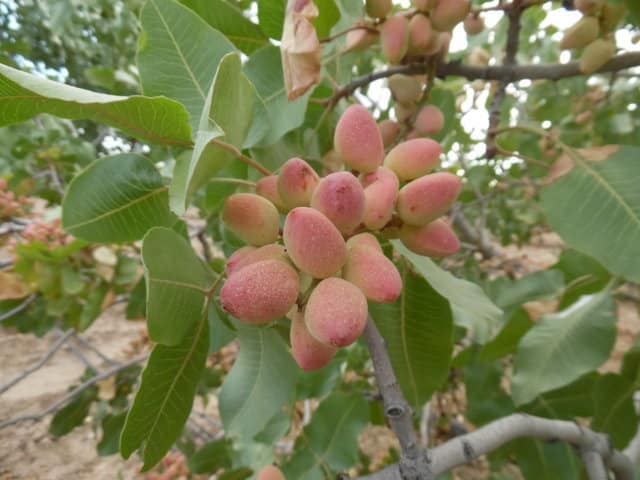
(237, 181)
(240, 156)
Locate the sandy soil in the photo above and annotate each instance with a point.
(27, 451)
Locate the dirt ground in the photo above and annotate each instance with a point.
(27, 451)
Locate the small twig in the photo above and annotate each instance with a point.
(86, 344)
(240, 156)
(45, 358)
(81, 356)
(415, 463)
(17, 309)
(350, 29)
(507, 73)
(55, 178)
(237, 181)
(527, 159)
(514, 14)
(76, 391)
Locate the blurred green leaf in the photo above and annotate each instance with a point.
(227, 18)
(211, 457)
(595, 207)
(279, 115)
(615, 413)
(111, 429)
(563, 346)
(271, 17)
(260, 383)
(331, 439)
(73, 414)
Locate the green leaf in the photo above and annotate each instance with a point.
(595, 207)
(137, 305)
(615, 412)
(569, 402)
(507, 293)
(470, 304)
(73, 414)
(72, 281)
(582, 274)
(279, 115)
(165, 397)
(111, 429)
(156, 120)
(271, 16)
(178, 54)
(543, 460)
(211, 457)
(260, 383)
(564, 346)
(418, 330)
(507, 340)
(328, 17)
(631, 362)
(220, 332)
(177, 281)
(330, 441)
(237, 474)
(227, 114)
(486, 399)
(93, 306)
(229, 20)
(116, 199)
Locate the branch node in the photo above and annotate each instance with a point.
(395, 411)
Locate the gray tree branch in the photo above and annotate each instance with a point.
(514, 13)
(486, 439)
(64, 336)
(414, 464)
(505, 73)
(465, 448)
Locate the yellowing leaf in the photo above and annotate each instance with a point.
(12, 286)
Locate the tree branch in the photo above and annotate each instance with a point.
(486, 439)
(16, 310)
(415, 463)
(45, 358)
(514, 13)
(506, 73)
(75, 392)
(465, 448)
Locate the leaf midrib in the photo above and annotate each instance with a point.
(320, 457)
(553, 349)
(602, 181)
(405, 347)
(178, 50)
(253, 387)
(118, 209)
(185, 362)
